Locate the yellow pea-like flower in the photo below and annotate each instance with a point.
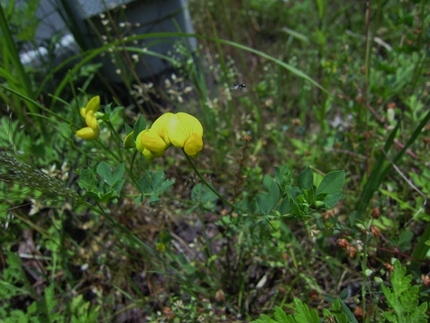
(88, 113)
(180, 130)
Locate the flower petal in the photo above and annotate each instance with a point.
(182, 127)
(91, 120)
(162, 125)
(88, 133)
(191, 122)
(93, 104)
(150, 155)
(147, 154)
(152, 141)
(193, 144)
(139, 144)
(83, 112)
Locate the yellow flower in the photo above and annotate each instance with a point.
(88, 113)
(87, 133)
(186, 132)
(180, 130)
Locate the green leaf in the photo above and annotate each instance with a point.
(153, 184)
(267, 181)
(118, 173)
(82, 312)
(139, 126)
(284, 207)
(347, 311)
(110, 177)
(103, 170)
(118, 186)
(264, 319)
(283, 175)
(202, 194)
(281, 316)
(128, 129)
(295, 209)
(321, 5)
(87, 179)
(145, 184)
(309, 195)
(50, 304)
(306, 178)
(332, 199)
(267, 201)
(331, 183)
(405, 239)
(403, 298)
(304, 314)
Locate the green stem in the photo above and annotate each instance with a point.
(210, 186)
(368, 46)
(364, 271)
(14, 57)
(116, 136)
(25, 97)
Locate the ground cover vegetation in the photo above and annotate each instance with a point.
(278, 173)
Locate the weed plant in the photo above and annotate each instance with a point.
(298, 197)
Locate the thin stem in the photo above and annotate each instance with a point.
(116, 136)
(209, 185)
(14, 57)
(364, 278)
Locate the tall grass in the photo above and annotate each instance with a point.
(328, 85)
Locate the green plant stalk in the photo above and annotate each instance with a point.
(205, 182)
(364, 277)
(88, 56)
(93, 54)
(347, 311)
(421, 248)
(14, 57)
(420, 66)
(125, 231)
(117, 138)
(224, 69)
(382, 169)
(368, 46)
(375, 177)
(133, 239)
(41, 107)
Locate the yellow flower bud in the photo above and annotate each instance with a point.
(93, 105)
(91, 120)
(88, 113)
(83, 112)
(88, 133)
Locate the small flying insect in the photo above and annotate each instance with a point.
(238, 86)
